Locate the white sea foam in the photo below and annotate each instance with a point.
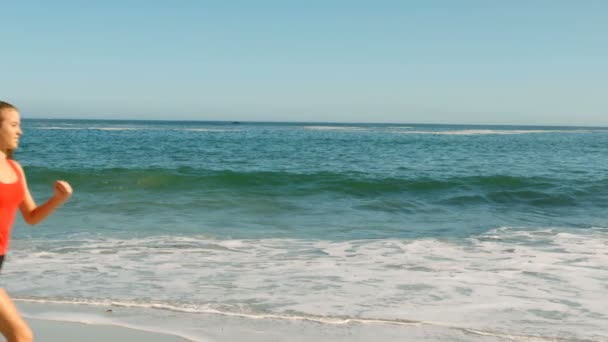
(517, 281)
(117, 128)
(60, 128)
(206, 130)
(335, 128)
(91, 128)
(135, 129)
(492, 132)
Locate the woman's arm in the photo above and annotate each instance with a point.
(32, 213)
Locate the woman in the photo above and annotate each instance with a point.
(14, 194)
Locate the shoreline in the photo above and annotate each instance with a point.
(65, 323)
(56, 331)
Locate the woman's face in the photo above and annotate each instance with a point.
(10, 129)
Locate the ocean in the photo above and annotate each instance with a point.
(340, 232)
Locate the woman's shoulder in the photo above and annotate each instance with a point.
(17, 165)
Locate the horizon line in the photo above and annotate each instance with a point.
(318, 122)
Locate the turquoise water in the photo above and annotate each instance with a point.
(366, 221)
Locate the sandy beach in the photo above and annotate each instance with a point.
(55, 331)
(64, 323)
(60, 322)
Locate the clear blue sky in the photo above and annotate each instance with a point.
(453, 61)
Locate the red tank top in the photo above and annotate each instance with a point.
(11, 196)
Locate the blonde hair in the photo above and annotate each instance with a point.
(4, 106)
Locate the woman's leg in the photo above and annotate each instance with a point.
(12, 326)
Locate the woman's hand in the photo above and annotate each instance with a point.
(63, 190)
